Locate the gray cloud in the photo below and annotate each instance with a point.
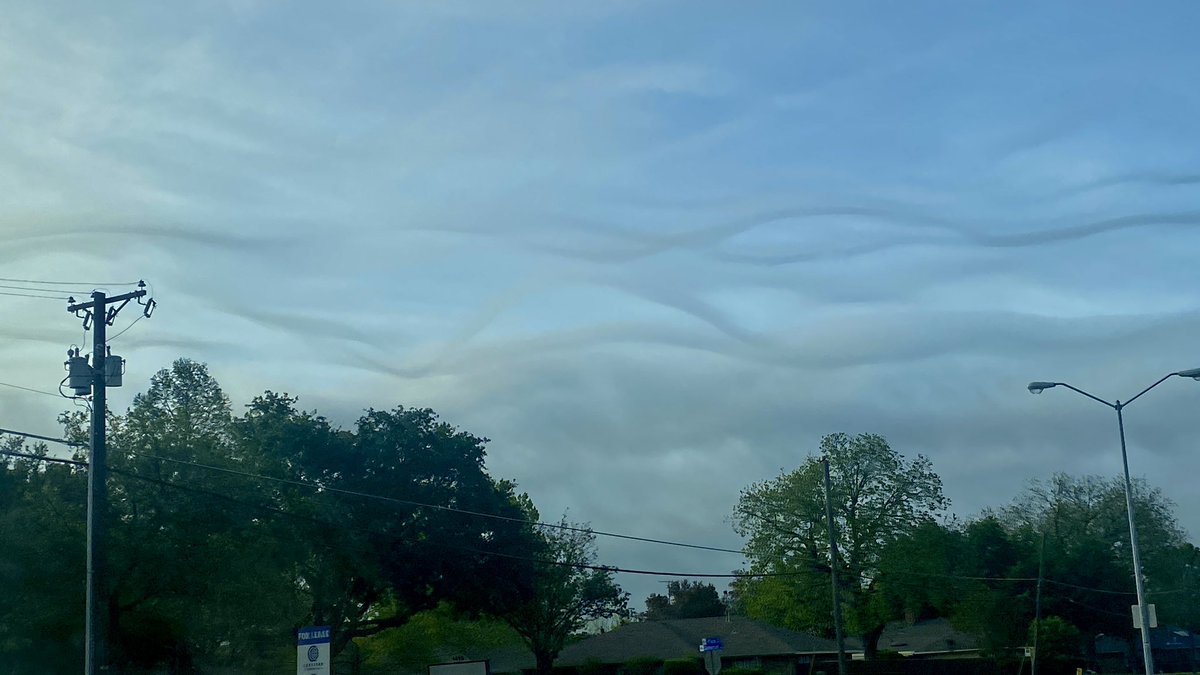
(653, 276)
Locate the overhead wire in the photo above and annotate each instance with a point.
(439, 507)
(500, 554)
(121, 332)
(34, 289)
(609, 568)
(29, 389)
(405, 502)
(32, 295)
(42, 458)
(67, 283)
(40, 437)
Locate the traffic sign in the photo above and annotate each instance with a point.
(712, 644)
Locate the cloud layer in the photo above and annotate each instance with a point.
(653, 250)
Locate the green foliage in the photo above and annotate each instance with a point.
(569, 591)
(684, 600)
(739, 670)
(42, 510)
(592, 666)
(1087, 545)
(1057, 639)
(682, 667)
(642, 665)
(435, 636)
(215, 568)
(878, 497)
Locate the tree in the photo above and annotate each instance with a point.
(42, 507)
(425, 538)
(569, 591)
(1088, 559)
(219, 545)
(878, 496)
(684, 600)
(433, 636)
(1058, 642)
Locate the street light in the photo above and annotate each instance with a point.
(1143, 608)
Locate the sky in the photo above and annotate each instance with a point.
(652, 250)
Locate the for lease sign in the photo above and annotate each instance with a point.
(312, 651)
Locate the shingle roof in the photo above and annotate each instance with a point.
(931, 635)
(681, 638)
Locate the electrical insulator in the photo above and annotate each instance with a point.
(79, 373)
(114, 368)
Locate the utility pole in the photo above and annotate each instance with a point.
(1037, 604)
(833, 557)
(98, 313)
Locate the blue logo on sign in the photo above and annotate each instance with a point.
(313, 654)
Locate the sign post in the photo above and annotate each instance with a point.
(711, 648)
(312, 651)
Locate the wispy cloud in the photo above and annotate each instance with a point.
(650, 249)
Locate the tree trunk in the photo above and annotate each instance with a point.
(545, 662)
(871, 642)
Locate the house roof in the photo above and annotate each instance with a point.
(1162, 637)
(681, 638)
(925, 637)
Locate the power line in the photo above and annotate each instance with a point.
(406, 502)
(42, 458)
(609, 568)
(36, 391)
(42, 438)
(67, 283)
(122, 331)
(602, 568)
(31, 295)
(439, 507)
(35, 289)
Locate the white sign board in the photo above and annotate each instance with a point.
(460, 668)
(1137, 616)
(312, 651)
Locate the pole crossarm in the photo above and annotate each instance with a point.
(108, 301)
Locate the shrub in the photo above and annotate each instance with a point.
(682, 667)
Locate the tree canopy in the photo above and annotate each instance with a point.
(570, 589)
(684, 600)
(228, 532)
(878, 497)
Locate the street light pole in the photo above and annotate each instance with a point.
(1139, 583)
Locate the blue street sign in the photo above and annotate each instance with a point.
(712, 644)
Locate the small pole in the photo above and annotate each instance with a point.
(1037, 604)
(833, 557)
(95, 653)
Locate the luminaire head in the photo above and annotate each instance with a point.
(1039, 387)
(1194, 373)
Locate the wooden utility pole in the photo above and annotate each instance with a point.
(97, 312)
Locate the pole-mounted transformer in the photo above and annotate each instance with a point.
(79, 373)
